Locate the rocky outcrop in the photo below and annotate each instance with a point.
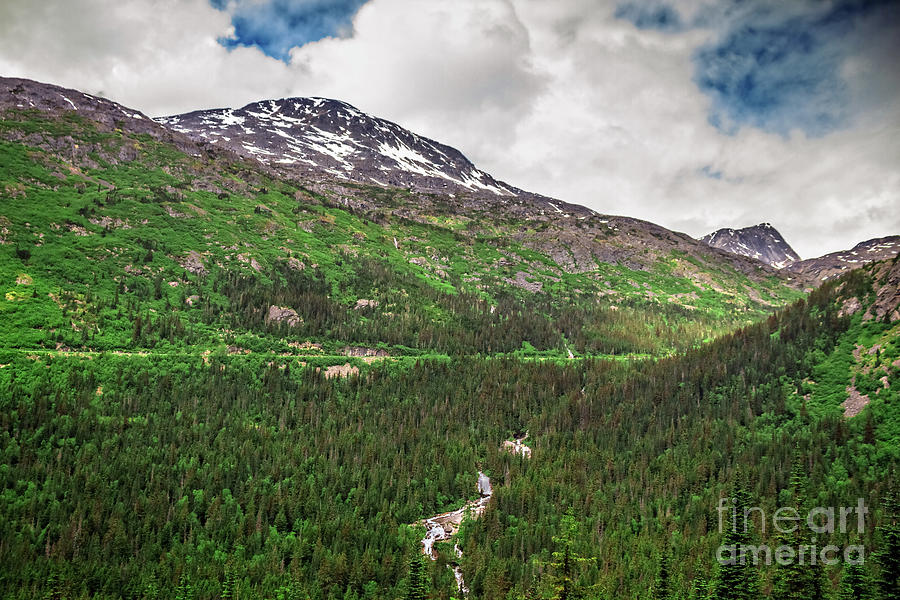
(283, 314)
(887, 293)
(193, 263)
(344, 370)
(364, 352)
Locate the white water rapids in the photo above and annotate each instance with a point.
(444, 526)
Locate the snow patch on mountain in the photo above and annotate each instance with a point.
(762, 242)
(329, 136)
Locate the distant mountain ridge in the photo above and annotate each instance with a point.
(762, 242)
(836, 263)
(315, 135)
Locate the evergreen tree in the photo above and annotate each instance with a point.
(888, 556)
(230, 584)
(417, 586)
(855, 584)
(800, 579)
(700, 589)
(662, 589)
(566, 560)
(184, 591)
(151, 590)
(54, 586)
(738, 577)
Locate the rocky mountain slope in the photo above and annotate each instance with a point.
(834, 264)
(104, 206)
(762, 242)
(316, 135)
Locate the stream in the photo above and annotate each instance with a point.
(443, 527)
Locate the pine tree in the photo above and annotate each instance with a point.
(417, 587)
(184, 591)
(230, 584)
(855, 584)
(566, 560)
(738, 578)
(661, 591)
(888, 556)
(151, 590)
(54, 586)
(798, 580)
(701, 588)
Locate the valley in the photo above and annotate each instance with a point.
(268, 353)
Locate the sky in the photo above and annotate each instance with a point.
(695, 114)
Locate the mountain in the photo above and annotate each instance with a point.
(834, 264)
(318, 135)
(103, 205)
(224, 378)
(762, 242)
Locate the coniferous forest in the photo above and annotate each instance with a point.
(220, 382)
(231, 477)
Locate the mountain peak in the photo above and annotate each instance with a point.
(325, 136)
(762, 242)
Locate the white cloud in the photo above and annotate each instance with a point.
(556, 97)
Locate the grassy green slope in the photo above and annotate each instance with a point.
(116, 240)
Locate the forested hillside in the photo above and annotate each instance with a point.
(139, 477)
(218, 381)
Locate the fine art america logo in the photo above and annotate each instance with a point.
(789, 524)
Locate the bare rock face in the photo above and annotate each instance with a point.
(283, 314)
(887, 294)
(762, 242)
(850, 307)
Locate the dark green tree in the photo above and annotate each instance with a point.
(184, 590)
(888, 554)
(701, 588)
(662, 587)
(230, 584)
(738, 577)
(855, 584)
(799, 579)
(417, 585)
(54, 586)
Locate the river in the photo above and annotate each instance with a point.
(444, 526)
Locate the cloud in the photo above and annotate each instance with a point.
(276, 26)
(780, 70)
(570, 98)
